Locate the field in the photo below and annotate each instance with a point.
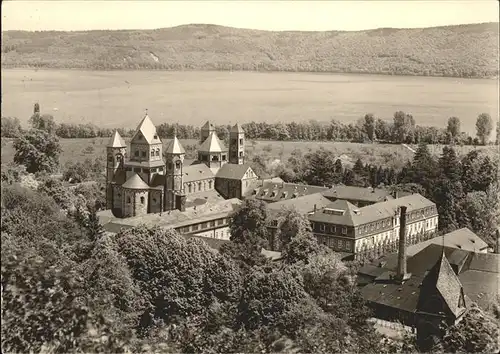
(453, 51)
(119, 98)
(379, 154)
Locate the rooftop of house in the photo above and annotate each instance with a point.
(341, 212)
(175, 218)
(478, 273)
(374, 195)
(303, 204)
(196, 172)
(274, 192)
(463, 239)
(233, 171)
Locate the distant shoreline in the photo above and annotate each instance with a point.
(8, 67)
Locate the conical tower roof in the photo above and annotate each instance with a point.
(175, 147)
(212, 144)
(135, 182)
(208, 127)
(237, 129)
(116, 140)
(148, 130)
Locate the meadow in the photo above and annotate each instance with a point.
(378, 154)
(119, 98)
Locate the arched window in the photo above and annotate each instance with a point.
(158, 152)
(110, 158)
(136, 153)
(128, 200)
(142, 200)
(152, 152)
(199, 186)
(177, 164)
(119, 158)
(189, 188)
(210, 184)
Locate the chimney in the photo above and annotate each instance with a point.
(401, 274)
(315, 208)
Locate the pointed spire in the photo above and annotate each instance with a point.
(116, 140)
(237, 129)
(175, 147)
(148, 130)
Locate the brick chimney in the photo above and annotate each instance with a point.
(315, 207)
(401, 273)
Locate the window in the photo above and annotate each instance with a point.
(144, 154)
(241, 153)
(142, 200)
(152, 152)
(212, 223)
(189, 188)
(224, 157)
(199, 186)
(341, 244)
(210, 184)
(154, 200)
(158, 152)
(204, 225)
(347, 246)
(177, 164)
(195, 227)
(344, 230)
(220, 221)
(110, 158)
(312, 225)
(160, 168)
(155, 136)
(322, 227)
(241, 141)
(333, 229)
(136, 153)
(128, 200)
(137, 170)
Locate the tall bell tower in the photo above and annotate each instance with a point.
(237, 145)
(116, 151)
(174, 184)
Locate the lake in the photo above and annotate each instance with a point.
(119, 98)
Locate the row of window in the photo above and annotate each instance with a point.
(330, 228)
(143, 153)
(144, 170)
(203, 226)
(337, 244)
(192, 186)
(363, 229)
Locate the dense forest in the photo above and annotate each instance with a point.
(67, 286)
(455, 51)
(403, 129)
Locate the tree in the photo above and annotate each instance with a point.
(453, 127)
(11, 127)
(320, 168)
(369, 126)
(449, 164)
(249, 223)
(43, 122)
(38, 151)
(301, 248)
(291, 224)
(404, 127)
(484, 127)
(93, 225)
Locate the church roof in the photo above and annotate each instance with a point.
(212, 144)
(237, 129)
(196, 172)
(208, 126)
(116, 140)
(443, 278)
(175, 147)
(148, 130)
(232, 171)
(135, 182)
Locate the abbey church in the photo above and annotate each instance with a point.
(145, 178)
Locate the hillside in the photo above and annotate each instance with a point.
(459, 51)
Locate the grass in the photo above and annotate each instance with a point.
(458, 51)
(118, 99)
(378, 154)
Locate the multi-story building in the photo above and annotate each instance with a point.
(150, 178)
(347, 228)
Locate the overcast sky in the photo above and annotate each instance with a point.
(267, 15)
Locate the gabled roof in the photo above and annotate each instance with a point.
(237, 129)
(303, 205)
(148, 130)
(197, 172)
(135, 182)
(232, 171)
(208, 126)
(116, 140)
(175, 147)
(272, 190)
(212, 144)
(445, 281)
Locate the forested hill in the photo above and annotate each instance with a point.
(460, 51)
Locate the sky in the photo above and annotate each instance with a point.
(265, 15)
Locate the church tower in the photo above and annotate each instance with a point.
(116, 151)
(237, 145)
(205, 132)
(174, 184)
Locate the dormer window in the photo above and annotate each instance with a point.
(274, 223)
(273, 194)
(284, 194)
(155, 136)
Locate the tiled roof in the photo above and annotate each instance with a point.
(197, 172)
(358, 193)
(175, 147)
(273, 192)
(135, 182)
(303, 205)
(443, 278)
(116, 140)
(158, 180)
(208, 126)
(232, 171)
(340, 212)
(148, 130)
(358, 216)
(156, 163)
(237, 129)
(212, 144)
